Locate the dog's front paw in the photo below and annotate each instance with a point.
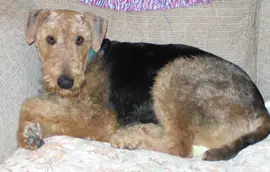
(31, 137)
(34, 141)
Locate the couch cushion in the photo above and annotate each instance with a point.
(68, 154)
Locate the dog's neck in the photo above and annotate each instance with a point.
(96, 84)
(92, 54)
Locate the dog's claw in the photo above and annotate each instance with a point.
(30, 140)
(39, 142)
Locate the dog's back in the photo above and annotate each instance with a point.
(132, 70)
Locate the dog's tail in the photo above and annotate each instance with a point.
(251, 138)
(232, 149)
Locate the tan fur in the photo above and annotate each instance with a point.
(151, 137)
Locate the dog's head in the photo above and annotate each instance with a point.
(64, 39)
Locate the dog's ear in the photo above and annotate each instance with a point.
(32, 21)
(99, 28)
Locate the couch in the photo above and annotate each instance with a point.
(237, 30)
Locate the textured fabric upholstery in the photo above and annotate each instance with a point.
(19, 70)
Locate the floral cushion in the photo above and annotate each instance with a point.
(64, 154)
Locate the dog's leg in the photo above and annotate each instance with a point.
(148, 136)
(137, 136)
(41, 118)
(173, 112)
(36, 115)
(30, 134)
(173, 135)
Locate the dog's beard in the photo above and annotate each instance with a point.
(63, 92)
(68, 93)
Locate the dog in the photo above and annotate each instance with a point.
(164, 98)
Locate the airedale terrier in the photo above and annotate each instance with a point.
(137, 95)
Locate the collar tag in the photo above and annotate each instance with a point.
(91, 55)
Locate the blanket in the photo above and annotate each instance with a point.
(68, 154)
(143, 5)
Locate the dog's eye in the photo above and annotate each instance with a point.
(51, 40)
(79, 40)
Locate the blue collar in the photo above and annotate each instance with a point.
(91, 54)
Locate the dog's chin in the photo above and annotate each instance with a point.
(68, 93)
(63, 92)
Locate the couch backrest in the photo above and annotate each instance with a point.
(263, 48)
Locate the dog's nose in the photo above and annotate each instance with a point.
(65, 82)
